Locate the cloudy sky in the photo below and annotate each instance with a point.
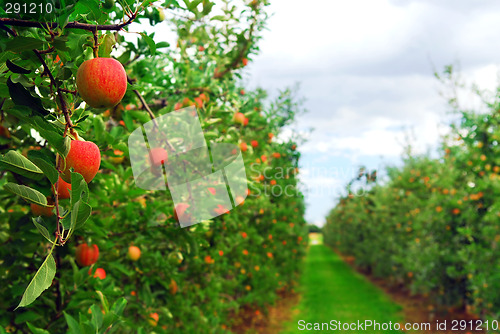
(366, 71)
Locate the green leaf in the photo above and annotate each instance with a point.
(21, 43)
(36, 330)
(48, 170)
(93, 6)
(106, 46)
(51, 133)
(79, 215)
(28, 194)
(60, 43)
(74, 327)
(16, 69)
(21, 96)
(150, 42)
(218, 18)
(40, 282)
(162, 45)
(119, 306)
(96, 319)
(192, 6)
(17, 163)
(104, 301)
(98, 128)
(42, 229)
(79, 189)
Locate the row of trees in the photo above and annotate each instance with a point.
(433, 224)
(107, 256)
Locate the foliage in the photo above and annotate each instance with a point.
(433, 225)
(193, 278)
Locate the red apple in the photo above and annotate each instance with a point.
(4, 132)
(158, 156)
(243, 147)
(254, 143)
(63, 189)
(101, 82)
(239, 118)
(39, 210)
(153, 319)
(134, 253)
(119, 157)
(85, 158)
(99, 273)
(86, 255)
(180, 212)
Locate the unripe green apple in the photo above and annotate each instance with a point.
(108, 4)
(161, 14)
(84, 157)
(86, 255)
(101, 82)
(134, 253)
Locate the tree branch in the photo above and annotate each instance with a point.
(65, 111)
(70, 25)
(237, 60)
(143, 102)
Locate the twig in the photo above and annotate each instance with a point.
(143, 102)
(95, 48)
(8, 30)
(236, 61)
(49, 50)
(64, 90)
(70, 25)
(65, 111)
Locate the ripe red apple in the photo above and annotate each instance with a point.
(39, 210)
(244, 61)
(199, 102)
(101, 82)
(119, 157)
(239, 118)
(243, 147)
(158, 156)
(86, 255)
(245, 122)
(173, 287)
(254, 143)
(180, 212)
(63, 189)
(99, 273)
(85, 158)
(4, 132)
(204, 97)
(134, 253)
(153, 319)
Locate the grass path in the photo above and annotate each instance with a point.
(331, 290)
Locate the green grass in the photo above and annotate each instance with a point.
(315, 238)
(331, 290)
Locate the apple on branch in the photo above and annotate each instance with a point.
(101, 82)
